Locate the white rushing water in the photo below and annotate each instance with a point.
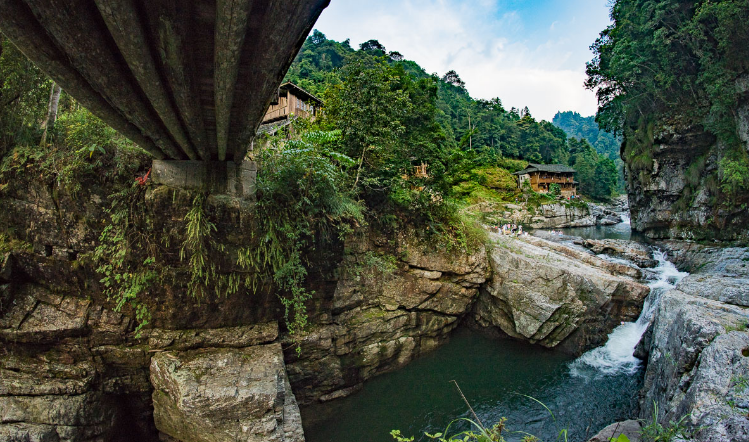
(617, 355)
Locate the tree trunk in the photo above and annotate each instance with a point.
(54, 100)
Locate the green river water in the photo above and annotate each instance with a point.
(493, 374)
(496, 375)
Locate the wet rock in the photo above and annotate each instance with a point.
(631, 429)
(217, 395)
(542, 296)
(633, 251)
(717, 273)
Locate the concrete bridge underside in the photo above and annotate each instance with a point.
(185, 80)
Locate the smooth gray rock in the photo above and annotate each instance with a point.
(633, 251)
(222, 395)
(630, 428)
(543, 296)
(698, 366)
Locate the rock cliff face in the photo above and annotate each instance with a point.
(558, 215)
(73, 370)
(673, 182)
(384, 312)
(544, 293)
(697, 348)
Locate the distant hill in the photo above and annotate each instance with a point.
(578, 126)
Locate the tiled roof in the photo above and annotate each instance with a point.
(553, 168)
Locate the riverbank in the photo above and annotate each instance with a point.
(381, 302)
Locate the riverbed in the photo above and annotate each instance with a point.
(539, 391)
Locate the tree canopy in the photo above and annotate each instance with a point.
(428, 117)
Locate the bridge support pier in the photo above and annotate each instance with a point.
(214, 177)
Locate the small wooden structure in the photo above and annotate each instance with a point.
(292, 100)
(542, 176)
(420, 171)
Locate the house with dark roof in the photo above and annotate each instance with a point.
(541, 176)
(292, 101)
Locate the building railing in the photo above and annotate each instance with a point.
(285, 112)
(551, 180)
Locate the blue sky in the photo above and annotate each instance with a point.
(527, 53)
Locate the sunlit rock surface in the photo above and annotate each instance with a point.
(218, 394)
(698, 347)
(543, 296)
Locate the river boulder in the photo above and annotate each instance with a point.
(635, 252)
(540, 295)
(222, 395)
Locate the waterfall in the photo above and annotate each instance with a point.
(616, 356)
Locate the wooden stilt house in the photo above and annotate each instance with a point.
(542, 176)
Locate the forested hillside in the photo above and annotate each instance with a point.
(605, 143)
(461, 130)
(577, 126)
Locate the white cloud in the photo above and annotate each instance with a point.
(495, 52)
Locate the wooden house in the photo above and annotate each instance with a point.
(292, 100)
(541, 176)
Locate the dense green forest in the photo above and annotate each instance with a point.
(605, 143)
(577, 126)
(457, 132)
(676, 63)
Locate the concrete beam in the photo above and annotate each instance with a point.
(214, 177)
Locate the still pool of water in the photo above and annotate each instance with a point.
(622, 230)
(496, 376)
(493, 374)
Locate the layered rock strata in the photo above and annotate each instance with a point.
(559, 215)
(637, 253)
(385, 311)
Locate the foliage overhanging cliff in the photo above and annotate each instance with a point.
(671, 76)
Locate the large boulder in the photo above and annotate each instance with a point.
(698, 367)
(542, 296)
(635, 252)
(631, 429)
(222, 395)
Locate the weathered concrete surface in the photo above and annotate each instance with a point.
(215, 177)
(223, 395)
(542, 296)
(137, 68)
